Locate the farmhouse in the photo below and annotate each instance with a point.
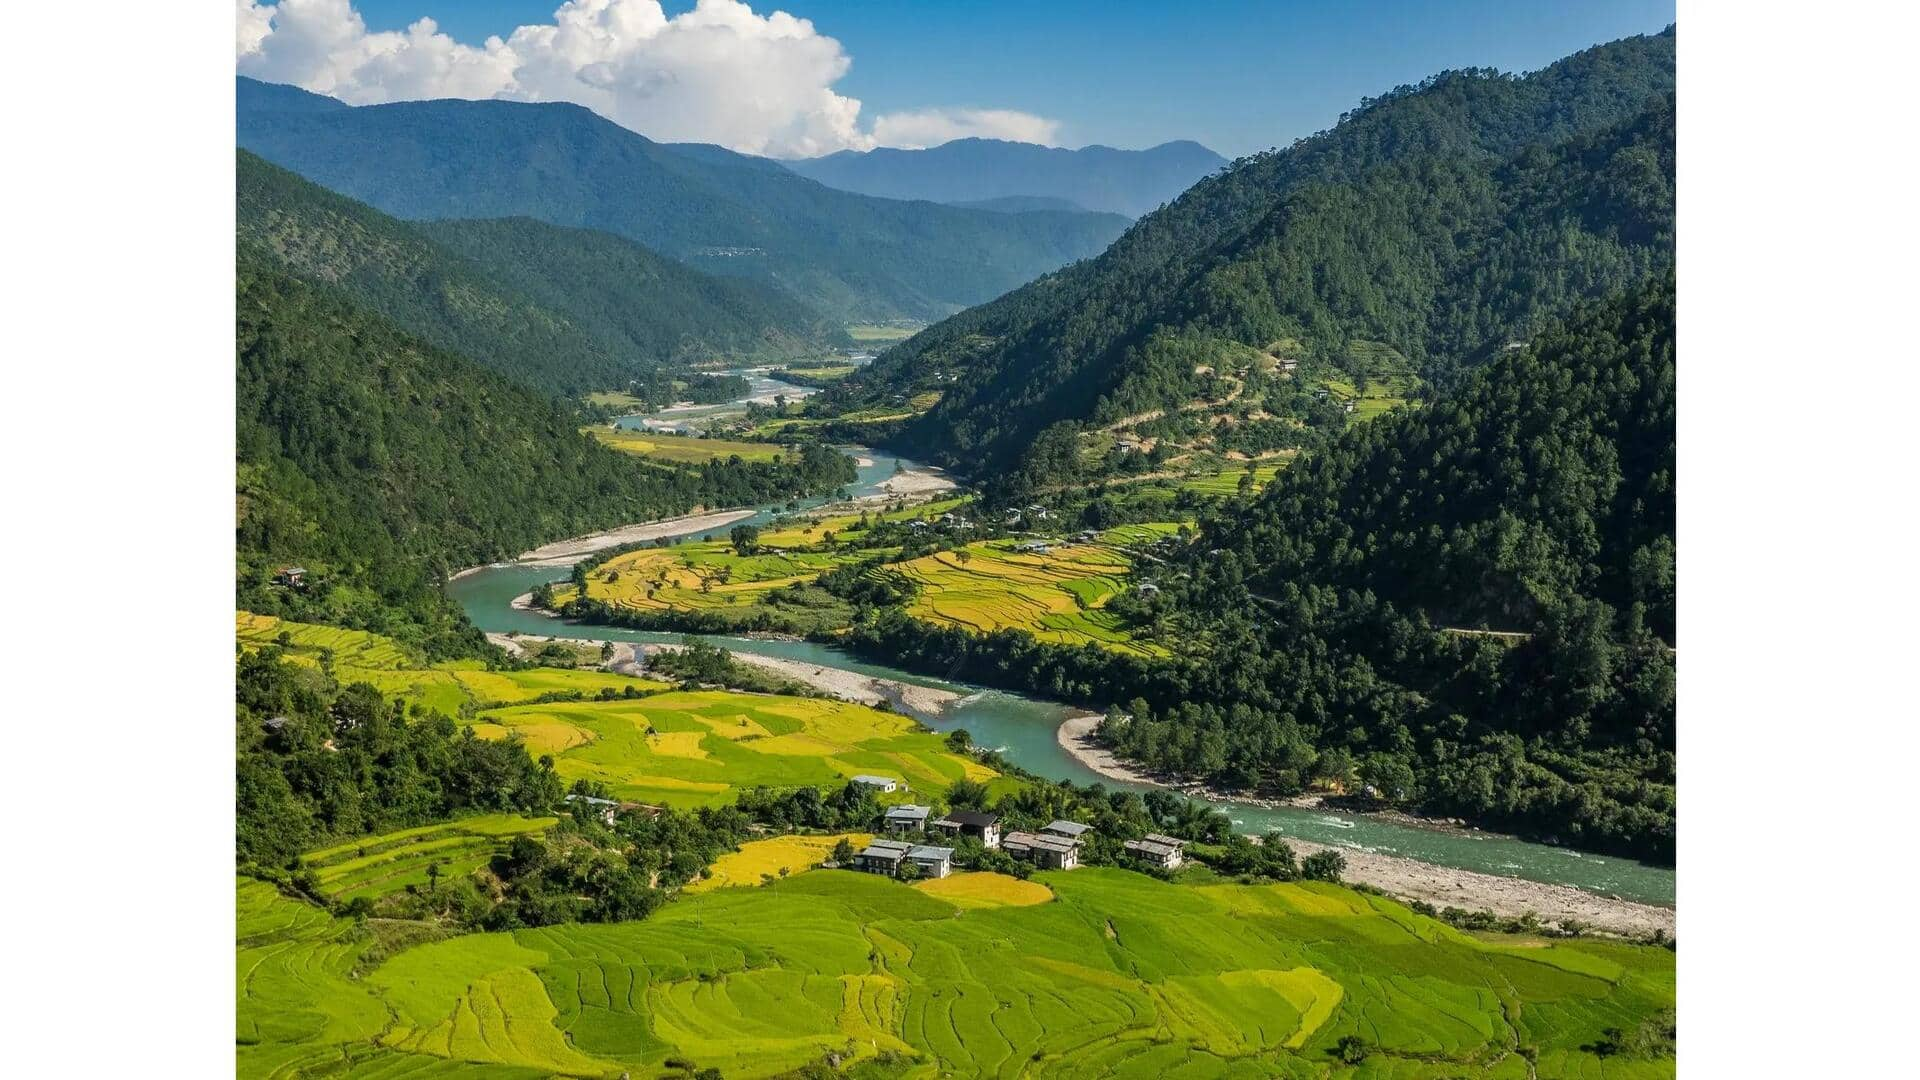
(934, 862)
(883, 857)
(1158, 849)
(1036, 547)
(1044, 849)
(886, 784)
(907, 818)
(608, 809)
(981, 826)
(1072, 830)
(293, 576)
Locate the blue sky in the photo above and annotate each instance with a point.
(1238, 76)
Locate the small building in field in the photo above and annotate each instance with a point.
(1043, 849)
(1072, 830)
(906, 818)
(607, 809)
(882, 857)
(292, 576)
(1157, 849)
(883, 784)
(981, 826)
(1034, 547)
(934, 862)
(1147, 588)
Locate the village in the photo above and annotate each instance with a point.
(910, 845)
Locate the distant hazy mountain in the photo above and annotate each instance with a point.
(1020, 204)
(561, 310)
(1129, 182)
(849, 256)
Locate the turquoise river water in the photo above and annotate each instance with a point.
(1024, 731)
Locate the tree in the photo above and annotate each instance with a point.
(960, 740)
(1323, 866)
(843, 852)
(433, 877)
(745, 538)
(1351, 1049)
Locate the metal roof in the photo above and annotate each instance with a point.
(1040, 841)
(927, 851)
(1067, 828)
(877, 781)
(970, 817)
(908, 810)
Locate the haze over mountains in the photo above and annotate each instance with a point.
(562, 310)
(1439, 221)
(983, 171)
(850, 257)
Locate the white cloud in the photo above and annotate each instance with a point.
(720, 73)
(931, 127)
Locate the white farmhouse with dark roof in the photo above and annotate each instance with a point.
(885, 784)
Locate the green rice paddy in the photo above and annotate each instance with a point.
(1117, 975)
(1057, 596)
(452, 687)
(700, 748)
(373, 866)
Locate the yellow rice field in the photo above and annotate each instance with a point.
(985, 890)
(775, 857)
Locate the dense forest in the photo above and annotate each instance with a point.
(1443, 220)
(851, 257)
(561, 310)
(1330, 626)
(382, 464)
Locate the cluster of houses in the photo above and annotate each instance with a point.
(1056, 846)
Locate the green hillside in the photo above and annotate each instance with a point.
(382, 463)
(1536, 501)
(562, 310)
(854, 257)
(1441, 220)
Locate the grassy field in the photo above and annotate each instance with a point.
(452, 688)
(761, 862)
(868, 334)
(822, 372)
(1117, 975)
(1057, 596)
(681, 449)
(789, 424)
(373, 866)
(616, 399)
(699, 748)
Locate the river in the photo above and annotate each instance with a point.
(1024, 731)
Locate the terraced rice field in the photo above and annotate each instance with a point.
(359, 656)
(846, 527)
(760, 861)
(682, 449)
(699, 748)
(704, 576)
(1119, 975)
(1057, 596)
(373, 866)
(1227, 481)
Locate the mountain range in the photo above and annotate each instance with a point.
(849, 257)
(1443, 220)
(969, 172)
(562, 310)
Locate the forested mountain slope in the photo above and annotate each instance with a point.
(562, 310)
(850, 256)
(1441, 220)
(383, 463)
(1536, 498)
(1129, 182)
